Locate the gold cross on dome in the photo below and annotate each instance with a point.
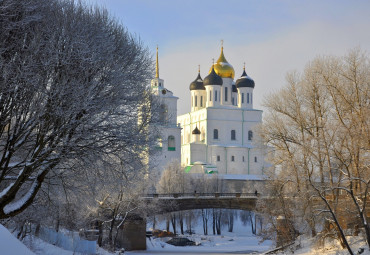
(222, 43)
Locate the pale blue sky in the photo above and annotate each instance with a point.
(272, 37)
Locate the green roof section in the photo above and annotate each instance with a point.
(187, 169)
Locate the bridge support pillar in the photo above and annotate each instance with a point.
(132, 234)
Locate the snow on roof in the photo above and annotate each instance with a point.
(250, 177)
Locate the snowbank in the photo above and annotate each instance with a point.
(10, 245)
(307, 246)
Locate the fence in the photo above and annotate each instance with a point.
(68, 241)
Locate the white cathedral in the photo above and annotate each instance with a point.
(217, 135)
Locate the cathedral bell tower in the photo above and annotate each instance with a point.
(157, 84)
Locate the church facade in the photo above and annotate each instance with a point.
(218, 134)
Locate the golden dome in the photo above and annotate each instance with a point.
(222, 67)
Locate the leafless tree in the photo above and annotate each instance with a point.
(71, 85)
(319, 126)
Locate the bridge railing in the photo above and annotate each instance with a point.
(199, 195)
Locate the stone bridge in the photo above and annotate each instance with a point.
(133, 232)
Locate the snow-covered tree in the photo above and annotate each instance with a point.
(319, 126)
(72, 81)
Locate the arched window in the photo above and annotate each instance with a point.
(218, 158)
(242, 98)
(250, 135)
(255, 159)
(232, 158)
(215, 133)
(171, 143)
(233, 135)
(196, 101)
(210, 95)
(247, 98)
(215, 95)
(201, 101)
(225, 94)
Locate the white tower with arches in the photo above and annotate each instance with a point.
(168, 140)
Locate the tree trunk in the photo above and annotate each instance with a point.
(231, 222)
(252, 224)
(100, 238)
(173, 221)
(214, 221)
(181, 221)
(153, 222)
(168, 224)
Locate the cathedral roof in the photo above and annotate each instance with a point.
(212, 78)
(197, 84)
(196, 131)
(245, 81)
(222, 67)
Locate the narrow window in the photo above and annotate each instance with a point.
(232, 101)
(195, 101)
(215, 133)
(210, 95)
(232, 158)
(233, 135)
(243, 158)
(255, 159)
(251, 99)
(192, 102)
(163, 111)
(218, 158)
(201, 101)
(215, 95)
(242, 98)
(247, 98)
(225, 94)
(158, 143)
(250, 135)
(171, 143)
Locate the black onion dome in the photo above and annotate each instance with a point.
(234, 88)
(197, 84)
(196, 131)
(245, 81)
(212, 79)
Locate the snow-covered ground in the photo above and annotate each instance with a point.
(307, 246)
(240, 241)
(230, 242)
(10, 245)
